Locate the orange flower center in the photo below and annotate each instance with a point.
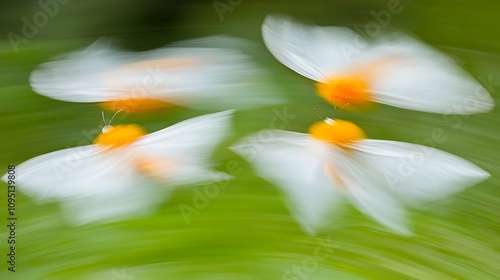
(349, 91)
(135, 105)
(337, 132)
(120, 135)
(135, 99)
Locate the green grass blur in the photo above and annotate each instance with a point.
(246, 232)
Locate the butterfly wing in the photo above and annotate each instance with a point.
(92, 183)
(294, 164)
(314, 52)
(180, 154)
(420, 78)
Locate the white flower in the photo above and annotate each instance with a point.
(397, 71)
(315, 171)
(203, 73)
(125, 172)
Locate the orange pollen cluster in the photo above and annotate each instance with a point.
(135, 105)
(337, 132)
(343, 90)
(120, 135)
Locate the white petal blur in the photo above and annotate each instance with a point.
(293, 163)
(97, 183)
(378, 177)
(398, 70)
(207, 73)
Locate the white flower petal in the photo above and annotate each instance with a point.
(186, 148)
(77, 76)
(314, 52)
(421, 78)
(416, 173)
(88, 180)
(294, 162)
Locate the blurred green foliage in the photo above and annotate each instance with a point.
(246, 232)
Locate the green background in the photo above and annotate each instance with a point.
(246, 232)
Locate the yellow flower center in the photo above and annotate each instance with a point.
(337, 132)
(349, 91)
(120, 135)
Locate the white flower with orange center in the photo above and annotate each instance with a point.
(335, 160)
(126, 172)
(397, 71)
(204, 73)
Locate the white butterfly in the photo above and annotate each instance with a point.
(125, 172)
(192, 73)
(397, 71)
(317, 170)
